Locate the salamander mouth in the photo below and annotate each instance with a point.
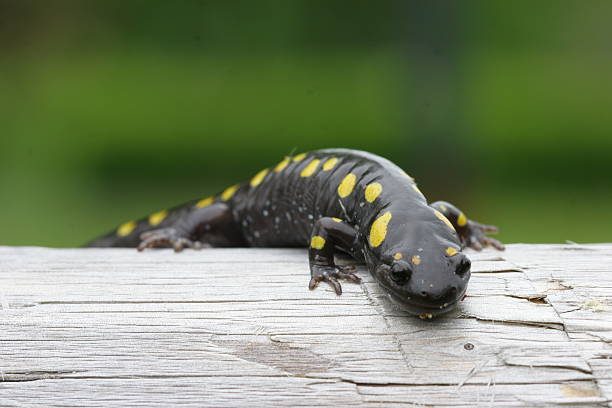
(426, 311)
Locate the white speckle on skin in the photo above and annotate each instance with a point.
(265, 213)
(310, 217)
(420, 250)
(256, 234)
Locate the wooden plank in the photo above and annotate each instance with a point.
(227, 327)
(577, 281)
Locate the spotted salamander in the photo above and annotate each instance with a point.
(332, 200)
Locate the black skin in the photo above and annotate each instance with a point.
(418, 261)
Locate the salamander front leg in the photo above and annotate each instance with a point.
(328, 235)
(471, 233)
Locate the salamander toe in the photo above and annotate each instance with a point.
(167, 237)
(331, 274)
(475, 236)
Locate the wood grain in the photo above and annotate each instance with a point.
(238, 327)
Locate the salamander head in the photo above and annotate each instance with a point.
(420, 264)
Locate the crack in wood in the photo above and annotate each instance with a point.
(561, 285)
(389, 326)
(539, 299)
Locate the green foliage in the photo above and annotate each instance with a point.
(113, 110)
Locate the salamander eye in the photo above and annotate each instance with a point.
(464, 267)
(400, 274)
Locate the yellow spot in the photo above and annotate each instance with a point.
(126, 229)
(280, 166)
(255, 181)
(299, 157)
(450, 251)
(461, 220)
(397, 256)
(378, 231)
(336, 219)
(330, 164)
(415, 188)
(229, 192)
(443, 218)
(205, 202)
(310, 168)
(416, 259)
(372, 191)
(158, 217)
(347, 185)
(317, 242)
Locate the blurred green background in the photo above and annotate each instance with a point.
(111, 110)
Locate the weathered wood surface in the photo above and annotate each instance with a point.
(238, 327)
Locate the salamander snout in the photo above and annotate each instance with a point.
(442, 284)
(432, 287)
(430, 296)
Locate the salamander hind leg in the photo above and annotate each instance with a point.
(165, 237)
(472, 234)
(328, 235)
(197, 228)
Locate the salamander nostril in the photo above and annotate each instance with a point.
(424, 294)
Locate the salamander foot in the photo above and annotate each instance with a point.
(331, 274)
(167, 237)
(475, 236)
